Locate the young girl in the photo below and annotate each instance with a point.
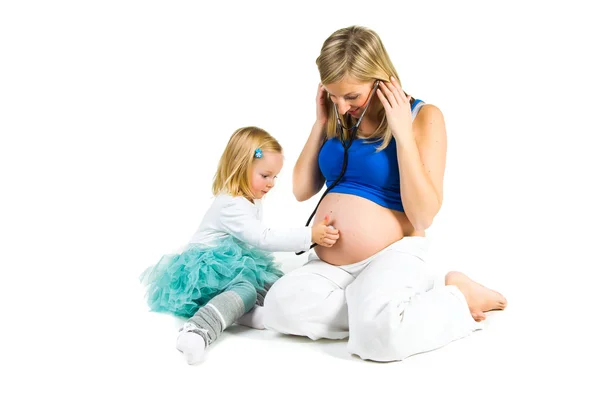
(226, 269)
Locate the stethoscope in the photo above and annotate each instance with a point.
(346, 143)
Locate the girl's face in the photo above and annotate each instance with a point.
(263, 173)
(349, 95)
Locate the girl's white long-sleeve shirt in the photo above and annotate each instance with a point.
(238, 217)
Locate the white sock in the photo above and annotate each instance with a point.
(191, 344)
(254, 318)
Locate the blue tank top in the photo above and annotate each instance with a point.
(370, 174)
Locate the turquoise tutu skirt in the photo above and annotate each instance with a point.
(180, 284)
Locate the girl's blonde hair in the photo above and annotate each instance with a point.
(233, 172)
(356, 52)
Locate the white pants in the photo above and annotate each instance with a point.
(385, 305)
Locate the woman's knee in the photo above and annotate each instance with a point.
(307, 305)
(294, 297)
(375, 339)
(377, 330)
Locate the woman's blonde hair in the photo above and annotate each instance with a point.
(356, 52)
(233, 172)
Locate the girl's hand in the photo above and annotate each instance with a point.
(323, 234)
(397, 108)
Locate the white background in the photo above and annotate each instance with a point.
(113, 115)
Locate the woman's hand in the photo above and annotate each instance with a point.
(397, 109)
(321, 105)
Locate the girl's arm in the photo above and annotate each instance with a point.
(240, 219)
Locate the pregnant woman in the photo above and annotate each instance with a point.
(372, 286)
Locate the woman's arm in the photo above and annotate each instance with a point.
(421, 148)
(422, 162)
(307, 177)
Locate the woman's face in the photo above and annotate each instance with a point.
(349, 95)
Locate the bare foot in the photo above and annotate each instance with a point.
(479, 298)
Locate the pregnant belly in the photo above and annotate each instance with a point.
(365, 228)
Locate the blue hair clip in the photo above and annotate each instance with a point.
(258, 153)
